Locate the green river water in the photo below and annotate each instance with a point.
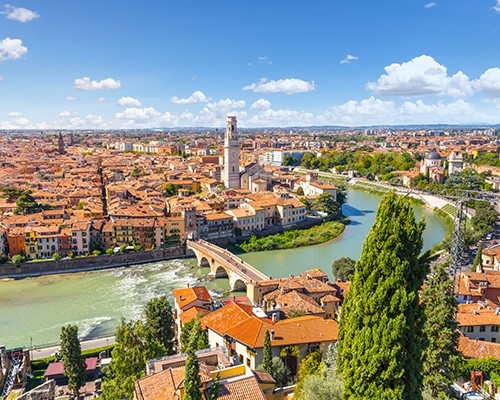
(38, 307)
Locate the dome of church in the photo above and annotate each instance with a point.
(433, 156)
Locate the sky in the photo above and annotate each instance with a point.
(144, 64)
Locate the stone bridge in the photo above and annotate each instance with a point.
(223, 263)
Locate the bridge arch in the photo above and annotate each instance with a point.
(221, 272)
(239, 286)
(204, 262)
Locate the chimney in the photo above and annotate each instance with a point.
(272, 333)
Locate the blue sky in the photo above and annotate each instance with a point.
(125, 64)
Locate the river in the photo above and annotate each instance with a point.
(38, 307)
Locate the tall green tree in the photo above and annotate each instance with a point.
(159, 323)
(343, 268)
(192, 381)
(327, 203)
(267, 361)
(441, 358)
(193, 336)
(73, 362)
(129, 358)
(380, 330)
(477, 265)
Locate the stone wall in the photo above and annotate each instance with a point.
(89, 263)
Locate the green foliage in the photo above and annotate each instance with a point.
(268, 354)
(290, 351)
(300, 191)
(296, 238)
(10, 192)
(327, 204)
(489, 365)
(485, 218)
(343, 268)
(73, 363)
(440, 355)
(310, 365)
(193, 335)
(110, 251)
(380, 329)
(289, 160)
(96, 252)
(477, 265)
(26, 204)
(192, 381)
(364, 162)
(280, 372)
(214, 390)
(56, 256)
(171, 189)
(136, 173)
(17, 259)
(81, 205)
(487, 158)
(159, 323)
(123, 247)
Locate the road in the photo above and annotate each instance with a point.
(86, 345)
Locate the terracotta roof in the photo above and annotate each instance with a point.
(263, 377)
(192, 313)
(474, 314)
(295, 301)
(477, 348)
(186, 296)
(241, 389)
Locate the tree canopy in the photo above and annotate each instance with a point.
(73, 362)
(343, 268)
(380, 329)
(159, 322)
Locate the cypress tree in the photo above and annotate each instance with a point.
(192, 381)
(440, 356)
(268, 354)
(380, 330)
(478, 260)
(73, 363)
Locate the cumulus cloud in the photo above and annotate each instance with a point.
(261, 104)
(64, 114)
(288, 86)
(70, 98)
(489, 82)
(15, 120)
(196, 97)
(421, 76)
(348, 58)
(136, 113)
(430, 5)
(102, 100)
(19, 14)
(86, 84)
(128, 102)
(11, 49)
(496, 7)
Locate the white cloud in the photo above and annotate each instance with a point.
(348, 58)
(260, 104)
(421, 76)
(430, 5)
(264, 60)
(64, 114)
(489, 82)
(496, 7)
(141, 114)
(19, 14)
(196, 97)
(70, 98)
(12, 49)
(288, 86)
(128, 101)
(102, 100)
(1, 78)
(86, 84)
(16, 120)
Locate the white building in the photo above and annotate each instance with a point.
(231, 175)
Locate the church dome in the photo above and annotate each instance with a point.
(433, 156)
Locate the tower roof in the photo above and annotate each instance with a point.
(433, 155)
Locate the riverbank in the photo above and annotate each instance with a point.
(51, 267)
(297, 238)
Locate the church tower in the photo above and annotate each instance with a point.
(231, 155)
(60, 144)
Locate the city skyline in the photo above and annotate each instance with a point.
(130, 65)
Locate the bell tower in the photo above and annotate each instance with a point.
(231, 155)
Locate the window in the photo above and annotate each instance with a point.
(470, 329)
(482, 328)
(494, 328)
(248, 362)
(493, 340)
